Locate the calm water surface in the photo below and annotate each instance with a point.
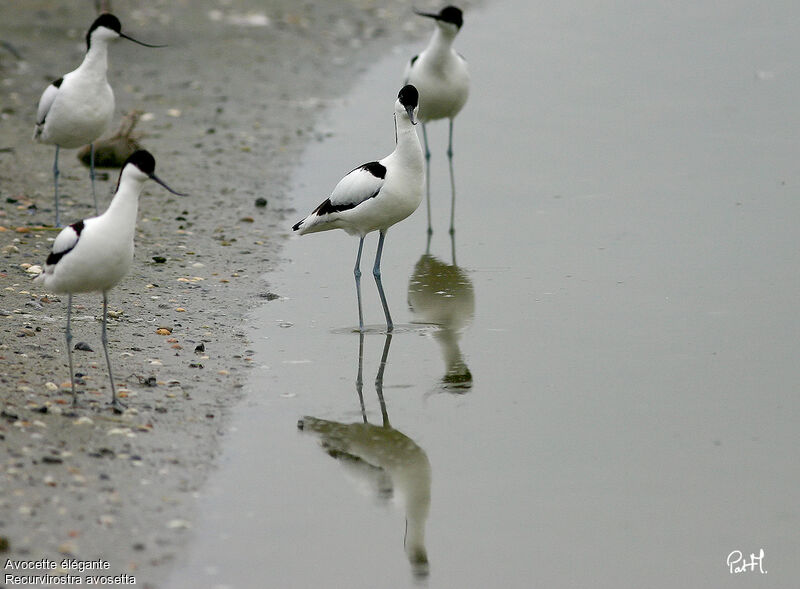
(608, 397)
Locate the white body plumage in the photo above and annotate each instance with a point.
(94, 254)
(78, 108)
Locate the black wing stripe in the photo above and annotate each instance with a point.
(53, 258)
(57, 84)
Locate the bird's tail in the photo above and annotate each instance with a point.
(312, 224)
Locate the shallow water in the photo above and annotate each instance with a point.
(609, 398)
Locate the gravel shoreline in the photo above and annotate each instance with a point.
(230, 104)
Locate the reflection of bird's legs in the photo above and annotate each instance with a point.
(379, 380)
(359, 377)
(357, 274)
(453, 246)
(376, 272)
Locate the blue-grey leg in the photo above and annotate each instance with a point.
(91, 175)
(425, 139)
(68, 334)
(357, 274)
(55, 182)
(427, 177)
(117, 405)
(376, 272)
(428, 194)
(450, 141)
(379, 380)
(452, 198)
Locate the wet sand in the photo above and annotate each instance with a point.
(230, 103)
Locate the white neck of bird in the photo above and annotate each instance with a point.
(96, 59)
(125, 205)
(408, 145)
(442, 41)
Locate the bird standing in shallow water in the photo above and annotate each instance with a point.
(376, 195)
(94, 254)
(442, 78)
(76, 109)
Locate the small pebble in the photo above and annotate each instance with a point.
(261, 202)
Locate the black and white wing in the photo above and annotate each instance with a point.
(361, 184)
(64, 243)
(46, 102)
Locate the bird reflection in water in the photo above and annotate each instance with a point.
(384, 457)
(442, 294)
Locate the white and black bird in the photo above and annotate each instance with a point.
(442, 78)
(94, 254)
(440, 73)
(77, 108)
(376, 195)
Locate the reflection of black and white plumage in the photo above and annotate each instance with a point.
(378, 194)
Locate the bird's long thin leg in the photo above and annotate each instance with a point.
(92, 175)
(427, 177)
(117, 405)
(357, 274)
(452, 186)
(450, 141)
(68, 334)
(376, 272)
(379, 380)
(55, 182)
